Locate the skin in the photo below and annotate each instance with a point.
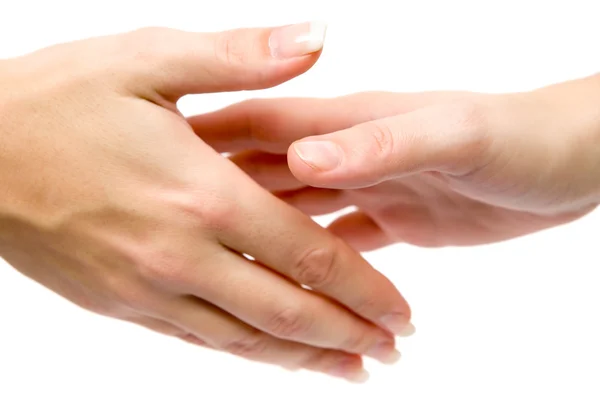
(430, 169)
(110, 200)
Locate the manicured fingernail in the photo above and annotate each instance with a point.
(398, 324)
(320, 155)
(297, 40)
(409, 330)
(385, 352)
(351, 371)
(359, 376)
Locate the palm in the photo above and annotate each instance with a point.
(422, 210)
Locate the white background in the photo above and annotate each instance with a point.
(517, 320)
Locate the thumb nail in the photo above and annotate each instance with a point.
(297, 40)
(322, 156)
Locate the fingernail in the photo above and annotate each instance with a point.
(408, 331)
(359, 376)
(323, 156)
(297, 40)
(351, 371)
(385, 352)
(398, 324)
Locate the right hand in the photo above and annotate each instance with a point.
(112, 201)
(430, 169)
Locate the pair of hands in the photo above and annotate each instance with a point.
(114, 200)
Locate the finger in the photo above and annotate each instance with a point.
(166, 328)
(224, 332)
(449, 139)
(270, 171)
(284, 309)
(156, 325)
(360, 231)
(295, 246)
(316, 201)
(273, 124)
(176, 63)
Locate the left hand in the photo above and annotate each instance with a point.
(429, 169)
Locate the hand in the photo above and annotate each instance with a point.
(430, 169)
(110, 200)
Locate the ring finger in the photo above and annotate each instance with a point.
(223, 332)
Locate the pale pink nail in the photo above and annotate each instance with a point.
(398, 324)
(349, 371)
(409, 330)
(297, 40)
(385, 352)
(319, 155)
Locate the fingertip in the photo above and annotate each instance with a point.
(409, 330)
(312, 160)
(293, 50)
(240, 59)
(328, 161)
(297, 40)
(299, 168)
(399, 323)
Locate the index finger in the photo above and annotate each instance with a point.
(273, 124)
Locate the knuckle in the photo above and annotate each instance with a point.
(219, 215)
(289, 323)
(131, 297)
(247, 346)
(469, 122)
(149, 37)
(255, 125)
(146, 46)
(216, 211)
(356, 343)
(314, 360)
(367, 305)
(469, 116)
(381, 137)
(316, 268)
(162, 267)
(230, 48)
(467, 136)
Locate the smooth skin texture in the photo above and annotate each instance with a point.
(430, 169)
(111, 200)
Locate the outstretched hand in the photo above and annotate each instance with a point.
(112, 201)
(429, 169)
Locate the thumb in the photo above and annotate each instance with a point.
(176, 63)
(449, 139)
